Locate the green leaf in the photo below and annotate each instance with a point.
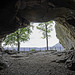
(20, 35)
(42, 27)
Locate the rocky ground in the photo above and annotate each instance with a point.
(36, 63)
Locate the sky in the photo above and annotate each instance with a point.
(37, 41)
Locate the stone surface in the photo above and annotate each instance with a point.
(18, 13)
(70, 62)
(40, 63)
(68, 58)
(66, 35)
(3, 64)
(15, 14)
(10, 52)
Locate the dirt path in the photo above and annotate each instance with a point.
(40, 63)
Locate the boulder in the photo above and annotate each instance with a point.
(3, 64)
(10, 52)
(70, 62)
(61, 61)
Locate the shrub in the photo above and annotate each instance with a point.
(33, 50)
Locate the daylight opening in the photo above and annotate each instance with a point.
(36, 42)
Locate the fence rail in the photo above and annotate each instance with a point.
(36, 49)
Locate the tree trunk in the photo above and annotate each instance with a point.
(18, 46)
(46, 37)
(18, 49)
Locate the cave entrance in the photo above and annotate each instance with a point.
(36, 41)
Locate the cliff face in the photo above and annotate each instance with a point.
(66, 35)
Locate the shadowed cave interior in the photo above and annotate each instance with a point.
(19, 13)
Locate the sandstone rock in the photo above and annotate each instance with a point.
(59, 53)
(40, 11)
(53, 61)
(66, 33)
(70, 62)
(3, 64)
(33, 11)
(36, 11)
(61, 61)
(10, 52)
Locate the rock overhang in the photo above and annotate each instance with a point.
(19, 13)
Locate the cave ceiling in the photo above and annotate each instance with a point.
(19, 13)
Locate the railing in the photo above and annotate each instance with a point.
(36, 49)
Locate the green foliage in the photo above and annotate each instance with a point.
(20, 35)
(32, 50)
(42, 27)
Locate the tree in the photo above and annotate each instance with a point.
(46, 27)
(21, 35)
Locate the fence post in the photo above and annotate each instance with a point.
(24, 49)
(50, 48)
(40, 49)
(29, 49)
(35, 49)
(60, 48)
(55, 48)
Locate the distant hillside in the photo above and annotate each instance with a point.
(55, 47)
(58, 46)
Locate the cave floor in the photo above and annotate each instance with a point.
(38, 63)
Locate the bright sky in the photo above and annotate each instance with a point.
(37, 41)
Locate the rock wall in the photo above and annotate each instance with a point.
(15, 14)
(19, 13)
(66, 34)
